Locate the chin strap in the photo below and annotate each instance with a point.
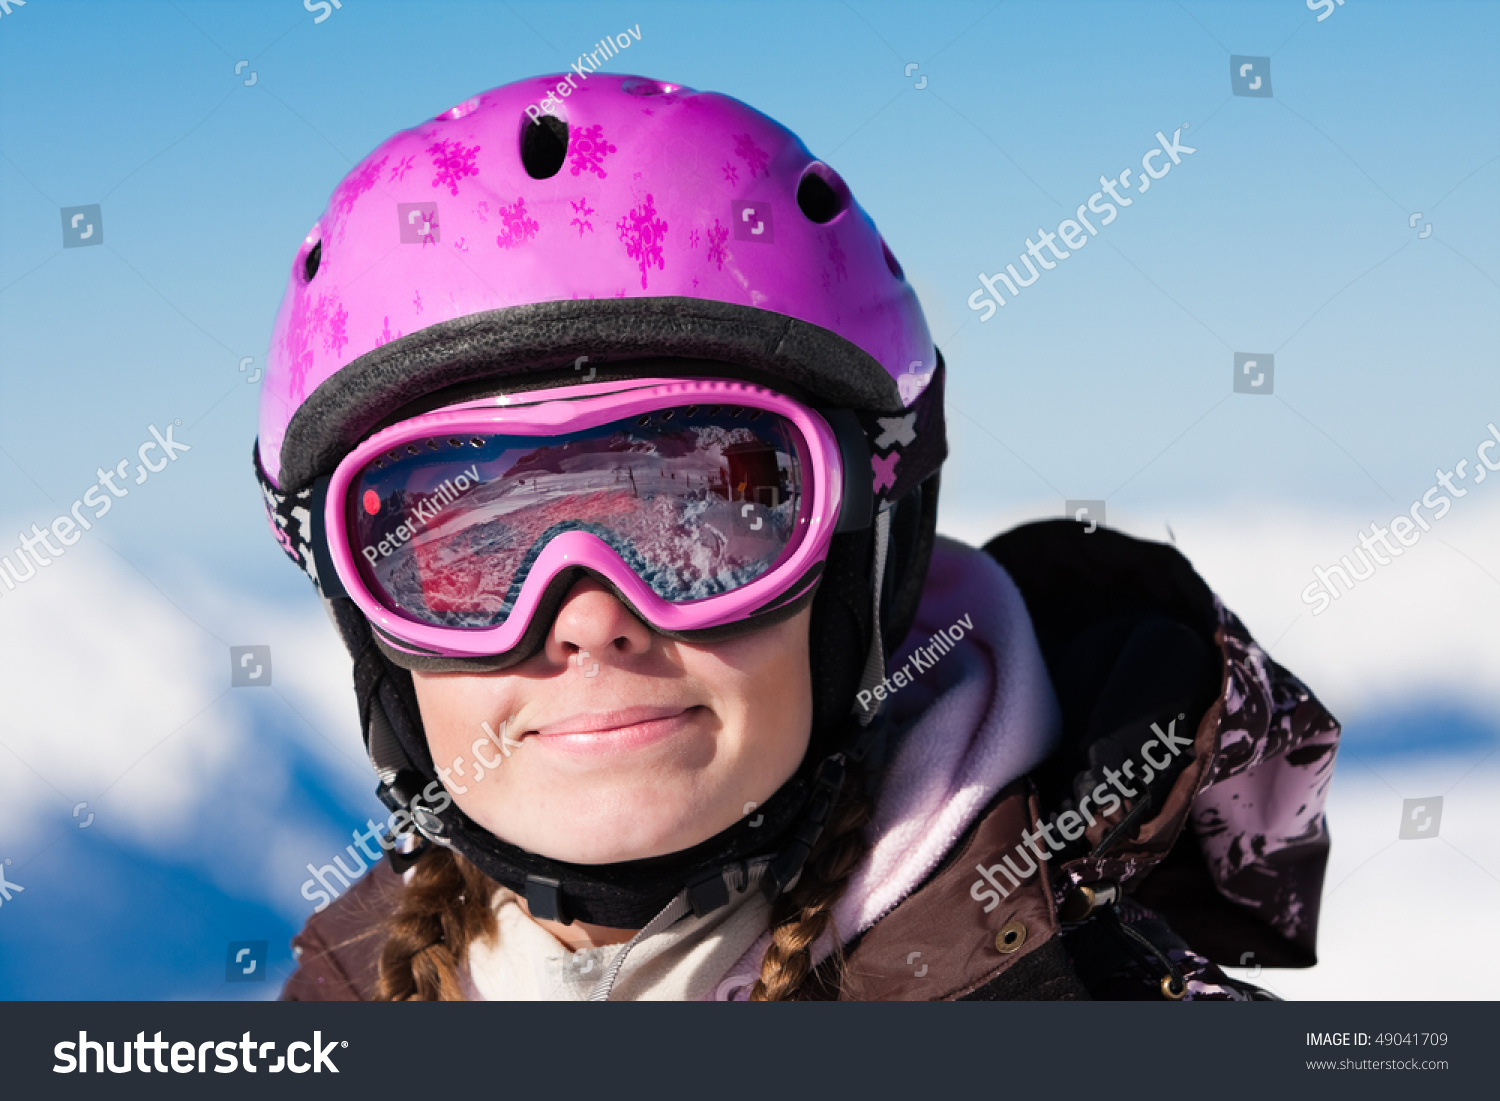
(786, 867)
(704, 892)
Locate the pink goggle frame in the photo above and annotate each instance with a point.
(577, 408)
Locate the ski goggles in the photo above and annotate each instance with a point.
(701, 503)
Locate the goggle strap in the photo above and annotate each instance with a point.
(858, 501)
(875, 661)
(290, 516)
(324, 574)
(383, 747)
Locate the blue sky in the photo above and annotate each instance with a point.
(1286, 231)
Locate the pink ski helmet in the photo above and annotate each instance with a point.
(636, 218)
(634, 228)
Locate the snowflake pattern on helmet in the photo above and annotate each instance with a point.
(756, 159)
(518, 228)
(717, 236)
(453, 162)
(619, 155)
(399, 170)
(334, 338)
(643, 234)
(587, 149)
(835, 254)
(348, 193)
(322, 320)
(580, 211)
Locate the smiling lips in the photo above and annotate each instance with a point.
(616, 731)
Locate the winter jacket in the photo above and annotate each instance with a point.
(1100, 787)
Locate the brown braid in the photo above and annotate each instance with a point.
(444, 908)
(802, 914)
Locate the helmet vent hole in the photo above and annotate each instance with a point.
(636, 86)
(890, 260)
(821, 195)
(312, 262)
(544, 146)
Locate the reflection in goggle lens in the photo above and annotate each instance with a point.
(698, 501)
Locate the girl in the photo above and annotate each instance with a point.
(610, 438)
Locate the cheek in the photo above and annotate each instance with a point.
(453, 710)
(765, 684)
(757, 686)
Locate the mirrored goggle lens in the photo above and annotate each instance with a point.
(698, 501)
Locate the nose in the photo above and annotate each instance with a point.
(592, 620)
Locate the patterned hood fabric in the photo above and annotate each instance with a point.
(1259, 816)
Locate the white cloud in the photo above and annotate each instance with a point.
(1394, 910)
(1422, 628)
(119, 696)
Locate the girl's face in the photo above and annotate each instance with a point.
(615, 743)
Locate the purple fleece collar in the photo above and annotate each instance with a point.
(967, 718)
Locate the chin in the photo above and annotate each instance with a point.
(591, 834)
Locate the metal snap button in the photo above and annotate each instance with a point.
(427, 821)
(1077, 905)
(1010, 937)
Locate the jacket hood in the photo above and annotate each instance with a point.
(973, 710)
